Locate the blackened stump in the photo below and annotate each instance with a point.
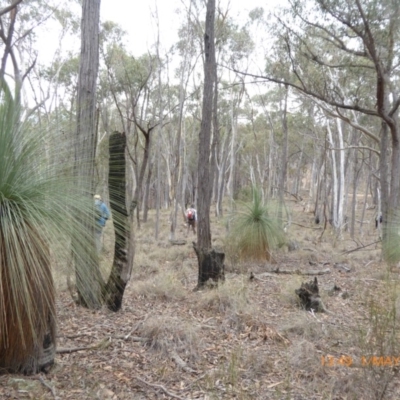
(211, 266)
(123, 223)
(309, 296)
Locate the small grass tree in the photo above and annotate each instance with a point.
(37, 202)
(254, 233)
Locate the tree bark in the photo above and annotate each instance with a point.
(88, 277)
(211, 266)
(210, 262)
(123, 223)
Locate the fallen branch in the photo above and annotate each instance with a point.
(74, 349)
(175, 357)
(51, 388)
(298, 272)
(308, 227)
(178, 242)
(359, 248)
(103, 344)
(131, 338)
(160, 387)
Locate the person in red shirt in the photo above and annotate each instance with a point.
(191, 218)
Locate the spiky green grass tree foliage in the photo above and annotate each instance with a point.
(37, 205)
(254, 232)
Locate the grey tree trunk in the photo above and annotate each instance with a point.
(88, 277)
(210, 262)
(284, 159)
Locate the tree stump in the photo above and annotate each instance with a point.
(309, 296)
(211, 266)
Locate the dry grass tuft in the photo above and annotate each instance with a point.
(287, 293)
(162, 286)
(301, 326)
(232, 300)
(165, 334)
(304, 360)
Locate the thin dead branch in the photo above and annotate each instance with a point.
(101, 345)
(175, 357)
(160, 387)
(51, 388)
(298, 272)
(360, 248)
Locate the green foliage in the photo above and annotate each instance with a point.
(254, 232)
(37, 206)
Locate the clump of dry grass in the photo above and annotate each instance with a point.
(287, 294)
(304, 360)
(301, 326)
(166, 334)
(166, 285)
(231, 300)
(257, 363)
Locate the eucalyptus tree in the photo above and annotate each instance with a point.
(19, 21)
(335, 51)
(188, 53)
(132, 84)
(88, 277)
(210, 262)
(233, 45)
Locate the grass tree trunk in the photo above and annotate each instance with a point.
(210, 262)
(27, 304)
(123, 223)
(88, 277)
(27, 321)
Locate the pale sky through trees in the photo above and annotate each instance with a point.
(136, 18)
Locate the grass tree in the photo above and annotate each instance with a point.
(37, 201)
(255, 233)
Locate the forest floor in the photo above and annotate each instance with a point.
(246, 339)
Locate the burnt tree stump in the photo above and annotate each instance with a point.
(309, 296)
(211, 266)
(122, 221)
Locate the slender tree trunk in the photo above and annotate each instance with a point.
(384, 171)
(210, 262)
(88, 277)
(146, 197)
(356, 172)
(342, 183)
(335, 187)
(284, 159)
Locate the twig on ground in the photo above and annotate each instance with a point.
(308, 227)
(178, 360)
(131, 338)
(51, 388)
(197, 379)
(298, 272)
(74, 349)
(102, 344)
(160, 387)
(359, 248)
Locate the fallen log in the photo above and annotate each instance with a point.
(299, 272)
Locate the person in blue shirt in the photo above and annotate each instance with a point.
(102, 215)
